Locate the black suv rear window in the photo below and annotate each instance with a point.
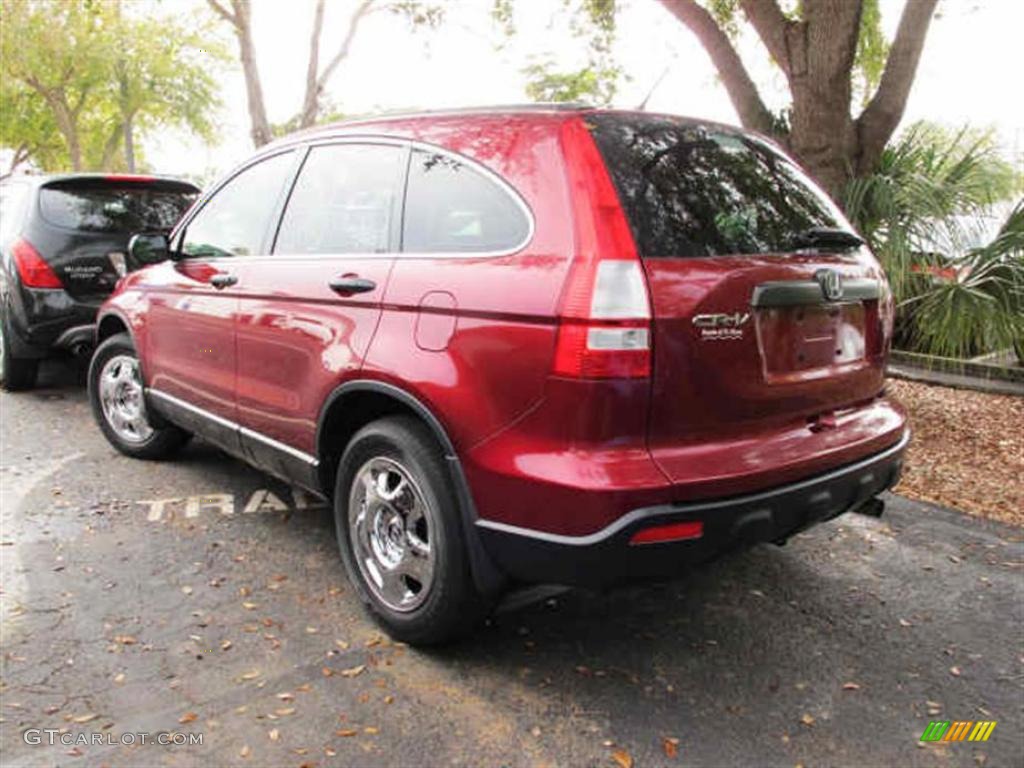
(700, 190)
(112, 208)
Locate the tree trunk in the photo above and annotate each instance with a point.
(129, 143)
(816, 53)
(67, 125)
(240, 18)
(261, 133)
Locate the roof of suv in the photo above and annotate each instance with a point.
(540, 110)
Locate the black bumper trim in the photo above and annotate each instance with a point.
(606, 557)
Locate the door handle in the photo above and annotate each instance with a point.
(347, 284)
(222, 281)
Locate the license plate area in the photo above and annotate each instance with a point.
(805, 341)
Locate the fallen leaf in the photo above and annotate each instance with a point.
(311, 630)
(954, 671)
(905, 623)
(851, 687)
(341, 644)
(623, 758)
(371, 730)
(329, 752)
(345, 732)
(188, 717)
(225, 645)
(119, 678)
(187, 590)
(286, 696)
(250, 675)
(244, 751)
(250, 606)
(389, 699)
(125, 639)
(274, 734)
(284, 711)
(326, 671)
(807, 719)
(671, 746)
(84, 718)
(353, 671)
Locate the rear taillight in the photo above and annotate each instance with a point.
(605, 317)
(35, 273)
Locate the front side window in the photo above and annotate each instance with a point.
(698, 190)
(344, 201)
(235, 221)
(452, 208)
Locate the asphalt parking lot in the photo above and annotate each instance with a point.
(202, 597)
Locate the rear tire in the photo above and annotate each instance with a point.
(117, 397)
(400, 534)
(16, 373)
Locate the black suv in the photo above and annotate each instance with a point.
(64, 244)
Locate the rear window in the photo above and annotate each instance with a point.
(120, 209)
(698, 190)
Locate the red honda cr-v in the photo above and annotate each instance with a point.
(516, 345)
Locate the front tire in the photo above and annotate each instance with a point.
(400, 534)
(117, 397)
(16, 373)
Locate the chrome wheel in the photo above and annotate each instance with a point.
(121, 397)
(391, 530)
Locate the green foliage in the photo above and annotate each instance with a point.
(872, 51)
(919, 213)
(80, 77)
(597, 81)
(592, 85)
(982, 309)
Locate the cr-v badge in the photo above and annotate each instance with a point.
(721, 325)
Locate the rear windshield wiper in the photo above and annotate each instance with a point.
(826, 237)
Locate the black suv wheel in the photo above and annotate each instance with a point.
(400, 536)
(16, 373)
(118, 402)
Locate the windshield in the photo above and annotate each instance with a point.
(701, 190)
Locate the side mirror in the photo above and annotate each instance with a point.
(147, 249)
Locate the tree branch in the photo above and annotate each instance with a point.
(223, 12)
(311, 108)
(770, 25)
(885, 110)
(311, 101)
(738, 83)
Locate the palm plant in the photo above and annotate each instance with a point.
(921, 211)
(982, 308)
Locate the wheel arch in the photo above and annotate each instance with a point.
(356, 403)
(109, 324)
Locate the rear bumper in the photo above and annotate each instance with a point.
(44, 319)
(606, 557)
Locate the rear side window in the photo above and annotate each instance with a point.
(237, 219)
(344, 201)
(12, 208)
(694, 190)
(116, 209)
(451, 207)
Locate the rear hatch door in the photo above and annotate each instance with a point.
(86, 223)
(766, 308)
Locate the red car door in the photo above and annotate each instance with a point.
(309, 310)
(190, 357)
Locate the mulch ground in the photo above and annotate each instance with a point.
(966, 450)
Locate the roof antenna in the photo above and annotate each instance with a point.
(643, 104)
